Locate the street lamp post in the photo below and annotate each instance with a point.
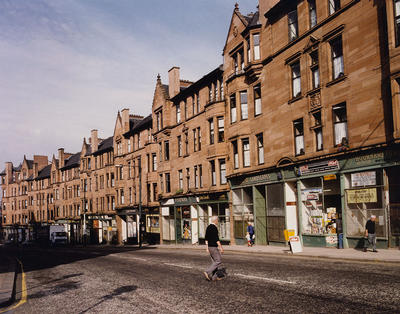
(140, 201)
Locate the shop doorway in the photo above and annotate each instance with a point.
(394, 205)
(275, 213)
(183, 225)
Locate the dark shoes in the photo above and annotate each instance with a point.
(375, 251)
(365, 249)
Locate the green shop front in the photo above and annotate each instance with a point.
(184, 219)
(337, 196)
(268, 201)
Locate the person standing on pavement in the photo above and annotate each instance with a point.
(250, 233)
(370, 234)
(214, 248)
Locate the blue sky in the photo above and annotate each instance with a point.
(68, 66)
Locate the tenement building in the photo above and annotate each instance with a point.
(299, 129)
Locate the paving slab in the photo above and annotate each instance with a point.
(383, 255)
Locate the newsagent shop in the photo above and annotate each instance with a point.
(326, 202)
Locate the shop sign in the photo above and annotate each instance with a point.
(362, 196)
(295, 244)
(363, 178)
(388, 156)
(330, 177)
(165, 211)
(310, 194)
(213, 197)
(260, 178)
(318, 167)
(185, 200)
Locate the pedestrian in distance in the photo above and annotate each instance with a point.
(214, 248)
(370, 235)
(250, 234)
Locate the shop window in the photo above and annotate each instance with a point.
(293, 25)
(246, 152)
(260, 148)
(168, 223)
(337, 57)
(235, 154)
(296, 79)
(211, 129)
(364, 197)
(221, 128)
(242, 206)
(232, 100)
(244, 112)
(314, 68)
(299, 136)
(396, 5)
(334, 5)
(257, 100)
(321, 207)
(340, 124)
(313, 13)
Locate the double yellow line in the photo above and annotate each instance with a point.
(24, 294)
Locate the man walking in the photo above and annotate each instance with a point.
(214, 248)
(370, 234)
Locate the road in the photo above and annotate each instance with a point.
(128, 280)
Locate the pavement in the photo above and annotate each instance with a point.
(383, 255)
(7, 274)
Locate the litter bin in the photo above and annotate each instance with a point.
(340, 240)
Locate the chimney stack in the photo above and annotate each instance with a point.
(61, 158)
(174, 81)
(95, 141)
(125, 119)
(9, 172)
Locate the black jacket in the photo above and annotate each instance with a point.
(212, 235)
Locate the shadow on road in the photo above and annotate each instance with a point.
(39, 258)
(116, 293)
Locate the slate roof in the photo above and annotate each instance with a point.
(30, 163)
(44, 173)
(143, 124)
(105, 145)
(72, 161)
(166, 89)
(18, 168)
(30, 178)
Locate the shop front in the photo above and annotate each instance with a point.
(128, 225)
(214, 204)
(338, 196)
(152, 221)
(267, 202)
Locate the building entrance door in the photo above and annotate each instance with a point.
(394, 205)
(275, 213)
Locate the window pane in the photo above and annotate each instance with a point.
(340, 132)
(233, 108)
(256, 43)
(243, 105)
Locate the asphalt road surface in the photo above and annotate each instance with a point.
(127, 280)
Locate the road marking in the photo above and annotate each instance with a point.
(177, 265)
(263, 278)
(130, 257)
(23, 292)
